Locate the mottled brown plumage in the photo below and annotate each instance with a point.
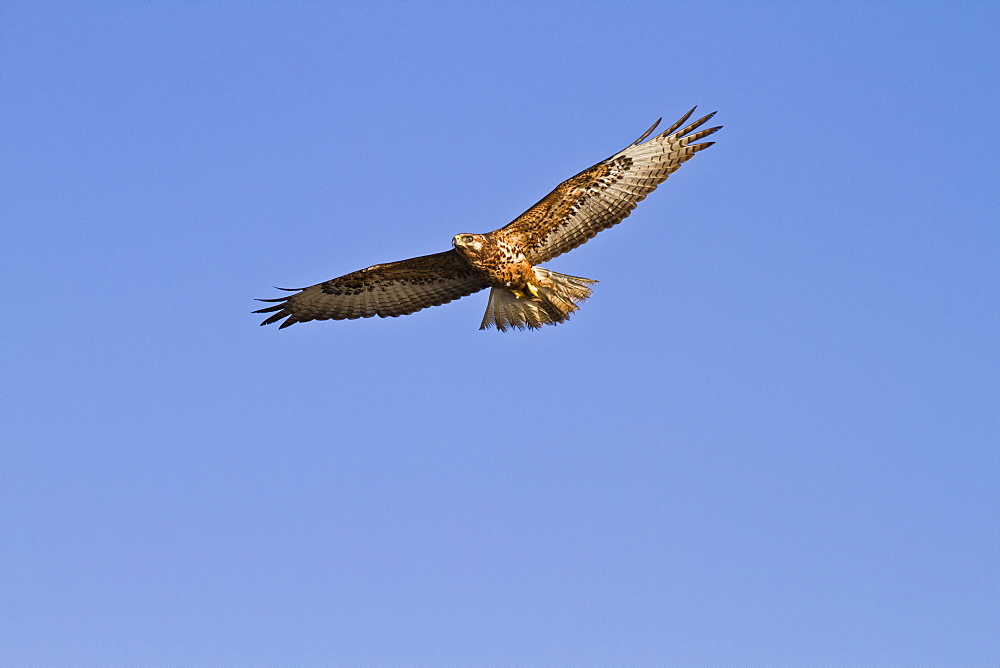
(385, 290)
(523, 294)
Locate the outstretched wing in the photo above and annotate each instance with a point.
(385, 290)
(604, 195)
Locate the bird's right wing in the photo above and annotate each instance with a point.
(385, 290)
(603, 195)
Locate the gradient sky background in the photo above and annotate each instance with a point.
(770, 438)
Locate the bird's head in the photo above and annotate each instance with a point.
(468, 243)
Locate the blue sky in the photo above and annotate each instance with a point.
(769, 438)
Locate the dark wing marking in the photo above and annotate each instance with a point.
(385, 290)
(604, 195)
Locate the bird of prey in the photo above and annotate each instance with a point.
(523, 294)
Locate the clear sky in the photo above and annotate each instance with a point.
(771, 436)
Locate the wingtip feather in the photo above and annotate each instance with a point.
(680, 121)
(701, 134)
(697, 124)
(647, 132)
(274, 318)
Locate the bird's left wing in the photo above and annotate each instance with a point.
(385, 290)
(605, 194)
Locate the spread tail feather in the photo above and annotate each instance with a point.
(558, 295)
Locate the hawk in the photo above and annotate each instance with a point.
(522, 294)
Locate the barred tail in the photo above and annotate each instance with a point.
(558, 295)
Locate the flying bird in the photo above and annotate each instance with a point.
(522, 294)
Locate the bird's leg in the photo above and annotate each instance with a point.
(530, 292)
